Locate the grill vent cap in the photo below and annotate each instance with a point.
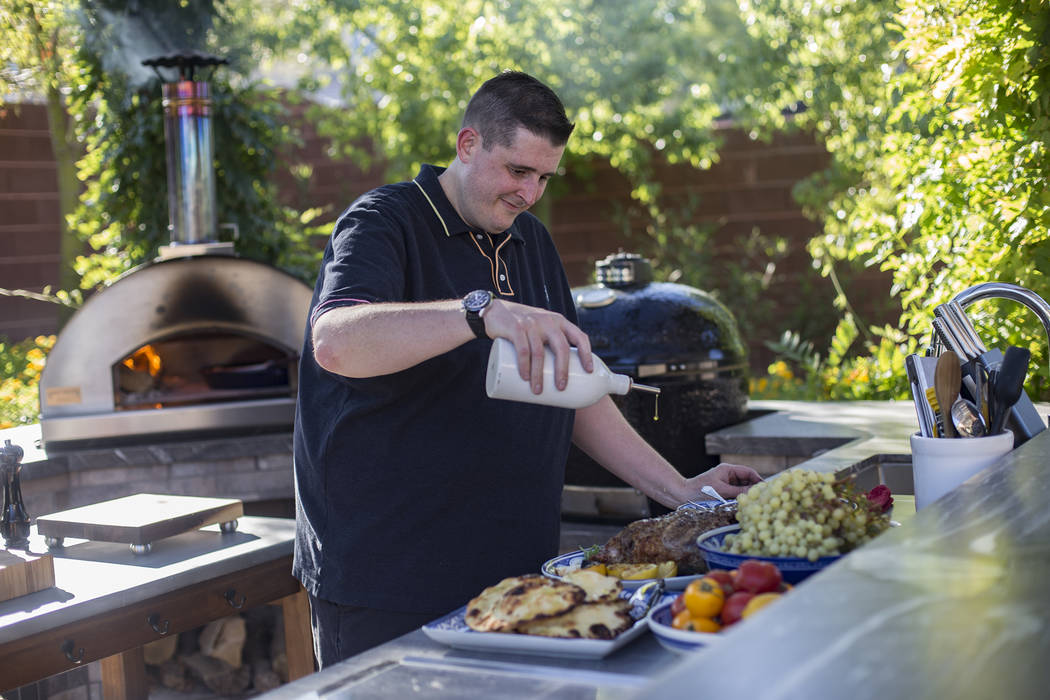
(621, 270)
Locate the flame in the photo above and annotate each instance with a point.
(145, 359)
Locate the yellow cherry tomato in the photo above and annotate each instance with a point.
(682, 620)
(705, 624)
(704, 597)
(689, 623)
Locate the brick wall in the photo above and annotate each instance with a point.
(749, 188)
(29, 221)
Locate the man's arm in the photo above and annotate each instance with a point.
(604, 434)
(368, 340)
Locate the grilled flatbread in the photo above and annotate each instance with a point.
(480, 607)
(512, 601)
(597, 586)
(585, 621)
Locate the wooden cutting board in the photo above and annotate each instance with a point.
(24, 572)
(139, 519)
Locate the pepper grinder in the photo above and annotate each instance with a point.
(15, 525)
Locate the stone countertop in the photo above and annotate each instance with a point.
(98, 577)
(834, 434)
(950, 604)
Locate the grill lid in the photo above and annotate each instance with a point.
(646, 329)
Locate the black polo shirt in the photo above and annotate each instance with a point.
(414, 490)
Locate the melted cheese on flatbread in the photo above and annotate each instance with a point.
(585, 621)
(519, 599)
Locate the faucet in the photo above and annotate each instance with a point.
(1002, 290)
(952, 327)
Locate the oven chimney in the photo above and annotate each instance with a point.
(190, 156)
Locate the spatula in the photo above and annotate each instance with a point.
(947, 378)
(1009, 383)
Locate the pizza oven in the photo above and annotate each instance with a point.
(198, 341)
(671, 336)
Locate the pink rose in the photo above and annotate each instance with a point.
(880, 496)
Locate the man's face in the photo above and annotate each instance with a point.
(505, 181)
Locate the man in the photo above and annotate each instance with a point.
(414, 490)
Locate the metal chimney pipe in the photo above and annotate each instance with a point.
(192, 211)
(190, 156)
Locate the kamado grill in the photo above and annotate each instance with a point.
(199, 340)
(671, 336)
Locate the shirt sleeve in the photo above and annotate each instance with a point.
(364, 262)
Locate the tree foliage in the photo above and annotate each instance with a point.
(936, 115)
(644, 82)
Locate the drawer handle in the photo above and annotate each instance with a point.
(154, 621)
(67, 649)
(235, 602)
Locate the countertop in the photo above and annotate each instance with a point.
(952, 604)
(98, 577)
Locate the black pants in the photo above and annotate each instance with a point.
(340, 631)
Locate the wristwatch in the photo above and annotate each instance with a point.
(473, 304)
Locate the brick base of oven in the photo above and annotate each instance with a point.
(252, 468)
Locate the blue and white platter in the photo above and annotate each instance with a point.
(452, 630)
(554, 568)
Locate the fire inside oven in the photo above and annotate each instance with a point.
(201, 368)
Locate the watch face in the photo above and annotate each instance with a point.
(477, 300)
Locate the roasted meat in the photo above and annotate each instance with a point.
(670, 537)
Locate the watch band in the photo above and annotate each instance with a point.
(473, 304)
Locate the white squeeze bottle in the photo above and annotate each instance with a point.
(582, 389)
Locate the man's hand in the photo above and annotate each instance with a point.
(531, 329)
(729, 480)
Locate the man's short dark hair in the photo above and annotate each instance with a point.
(513, 99)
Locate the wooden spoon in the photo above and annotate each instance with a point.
(947, 378)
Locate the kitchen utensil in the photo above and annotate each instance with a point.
(938, 417)
(710, 491)
(967, 419)
(920, 370)
(974, 372)
(1022, 419)
(14, 523)
(1009, 384)
(948, 339)
(955, 310)
(952, 333)
(947, 379)
(645, 597)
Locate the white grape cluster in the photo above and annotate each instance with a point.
(802, 514)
